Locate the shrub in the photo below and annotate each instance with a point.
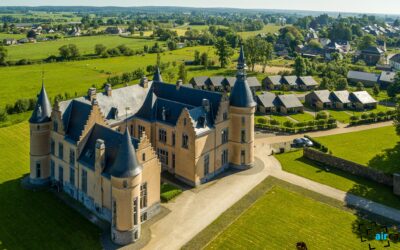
(262, 120)
(322, 115)
(168, 192)
(288, 124)
(274, 122)
(354, 118)
(3, 115)
(364, 116)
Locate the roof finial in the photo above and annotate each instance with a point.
(241, 65)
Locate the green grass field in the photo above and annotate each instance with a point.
(302, 117)
(281, 218)
(269, 28)
(85, 45)
(339, 115)
(77, 76)
(376, 148)
(295, 163)
(35, 219)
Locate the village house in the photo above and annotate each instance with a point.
(394, 62)
(366, 78)
(287, 104)
(340, 99)
(9, 41)
(220, 83)
(272, 82)
(290, 82)
(319, 99)
(106, 149)
(307, 83)
(266, 103)
(362, 100)
(386, 78)
(372, 55)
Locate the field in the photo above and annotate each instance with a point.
(295, 163)
(277, 215)
(302, 117)
(85, 45)
(35, 220)
(269, 28)
(340, 115)
(375, 148)
(77, 76)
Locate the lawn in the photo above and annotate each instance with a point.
(377, 148)
(168, 192)
(277, 215)
(295, 163)
(35, 219)
(85, 45)
(269, 28)
(303, 117)
(340, 115)
(77, 76)
(279, 118)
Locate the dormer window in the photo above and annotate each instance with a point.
(55, 126)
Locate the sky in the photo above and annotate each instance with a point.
(362, 6)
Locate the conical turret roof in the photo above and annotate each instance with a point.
(241, 95)
(42, 111)
(157, 75)
(126, 163)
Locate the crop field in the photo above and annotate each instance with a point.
(35, 219)
(269, 28)
(85, 45)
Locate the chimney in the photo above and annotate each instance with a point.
(108, 89)
(92, 94)
(100, 155)
(179, 83)
(144, 82)
(206, 105)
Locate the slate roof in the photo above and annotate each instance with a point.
(323, 95)
(230, 80)
(216, 80)
(42, 111)
(199, 81)
(363, 97)
(387, 76)
(290, 101)
(112, 140)
(362, 76)
(291, 80)
(395, 58)
(253, 82)
(307, 80)
(126, 163)
(342, 96)
(266, 99)
(275, 80)
(74, 117)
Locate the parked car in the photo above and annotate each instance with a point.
(302, 142)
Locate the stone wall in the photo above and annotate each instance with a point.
(349, 166)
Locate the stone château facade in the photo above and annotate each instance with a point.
(107, 149)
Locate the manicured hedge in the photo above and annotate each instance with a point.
(168, 192)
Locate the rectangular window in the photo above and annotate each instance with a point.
(173, 138)
(52, 147)
(143, 195)
(132, 130)
(60, 174)
(72, 176)
(162, 136)
(224, 157)
(84, 181)
(141, 129)
(143, 218)
(173, 161)
(242, 157)
(224, 136)
(243, 121)
(52, 169)
(185, 141)
(55, 126)
(135, 212)
(143, 157)
(243, 136)
(163, 156)
(60, 150)
(38, 170)
(71, 157)
(206, 165)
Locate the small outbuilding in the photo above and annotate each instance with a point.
(340, 99)
(266, 102)
(362, 100)
(288, 104)
(319, 99)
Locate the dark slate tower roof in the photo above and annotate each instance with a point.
(241, 95)
(126, 163)
(157, 75)
(42, 111)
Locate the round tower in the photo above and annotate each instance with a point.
(242, 108)
(40, 127)
(126, 177)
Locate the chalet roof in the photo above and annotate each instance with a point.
(387, 76)
(291, 80)
(253, 82)
(362, 76)
(342, 96)
(322, 95)
(363, 97)
(266, 99)
(216, 80)
(307, 80)
(290, 101)
(275, 80)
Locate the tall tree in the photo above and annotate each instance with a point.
(252, 50)
(300, 67)
(367, 41)
(223, 51)
(266, 53)
(182, 74)
(3, 55)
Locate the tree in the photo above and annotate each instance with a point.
(315, 44)
(31, 34)
(182, 74)
(394, 88)
(300, 68)
(197, 60)
(204, 60)
(171, 44)
(341, 84)
(223, 51)
(99, 49)
(360, 86)
(376, 89)
(252, 51)
(266, 53)
(69, 51)
(170, 75)
(3, 55)
(326, 84)
(367, 41)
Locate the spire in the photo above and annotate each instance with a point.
(241, 95)
(157, 75)
(126, 163)
(42, 111)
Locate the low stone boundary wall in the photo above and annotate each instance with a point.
(349, 166)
